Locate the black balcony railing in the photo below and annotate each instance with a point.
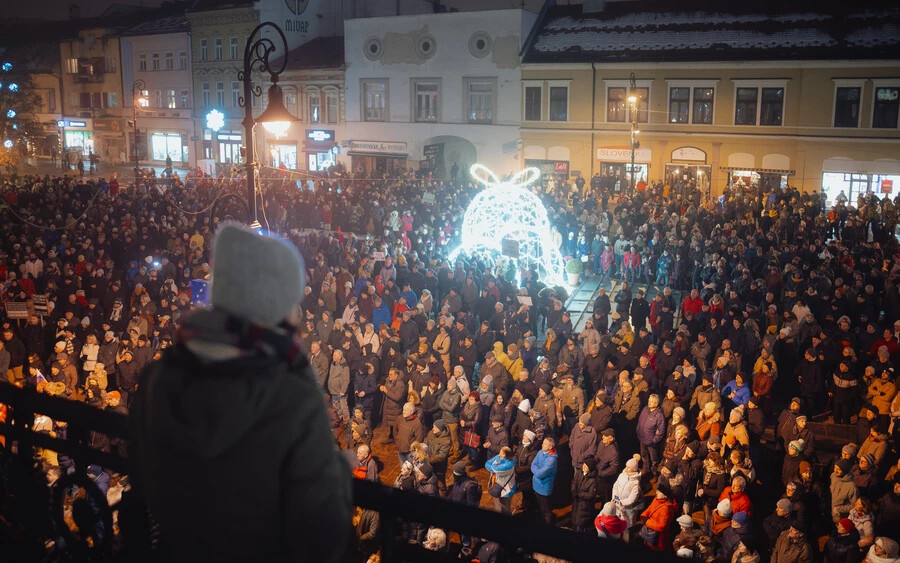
(137, 533)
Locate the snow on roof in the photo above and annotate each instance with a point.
(641, 41)
(642, 31)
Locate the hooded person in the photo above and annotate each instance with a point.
(884, 550)
(236, 398)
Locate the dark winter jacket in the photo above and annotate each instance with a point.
(608, 461)
(582, 445)
(407, 430)
(651, 426)
(225, 420)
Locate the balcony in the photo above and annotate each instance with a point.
(82, 78)
(136, 536)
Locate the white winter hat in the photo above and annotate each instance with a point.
(724, 508)
(255, 276)
(525, 406)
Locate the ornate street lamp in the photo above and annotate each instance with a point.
(137, 99)
(275, 118)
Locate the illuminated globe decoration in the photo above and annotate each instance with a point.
(8, 143)
(13, 87)
(509, 211)
(6, 67)
(10, 113)
(215, 120)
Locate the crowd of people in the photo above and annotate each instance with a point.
(682, 416)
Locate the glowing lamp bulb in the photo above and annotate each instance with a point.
(632, 100)
(277, 128)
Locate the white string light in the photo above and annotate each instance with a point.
(507, 210)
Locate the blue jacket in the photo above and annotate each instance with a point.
(381, 315)
(503, 474)
(544, 470)
(651, 426)
(411, 299)
(741, 394)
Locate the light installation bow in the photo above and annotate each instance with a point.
(510, 211)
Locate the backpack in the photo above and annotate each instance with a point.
(473, 484)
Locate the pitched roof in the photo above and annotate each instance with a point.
(172, 24)
(647, 31)
(321, 52)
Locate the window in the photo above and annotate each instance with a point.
(51, 100)
(643, 103)
(112, 100)
(109, 64)
(703, 106)
(332, 106)
(204, 52)
(679, 105)
(182, 60)
(559, 103)
(615, 105)
(220, 94)
(480, 102)
(144, 99)
(290, 100)
(235, 94)
(170, 61)
(97, 100)
(233, 48)
(314, 99)
(204, 94)
(157, 99)
(426, 100)
(375, 100)
(533, 103)
(885, 110)
(164, 145)
(84, 100)
(772, 106)
(760, 104)
(72, 66)
(142, 61)
(155, 61)
(846, 107)
(219, 49)
(185, 96)
(170, 99)
(745, 106)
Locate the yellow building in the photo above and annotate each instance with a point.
(801, 98)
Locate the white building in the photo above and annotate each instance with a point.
(159, 53)
(433, 90)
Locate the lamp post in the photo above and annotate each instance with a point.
(632, 102)
(275, 118)
(137, 98)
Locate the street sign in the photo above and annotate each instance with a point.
(432, 150)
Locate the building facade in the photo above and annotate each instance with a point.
(791, 98)
(158, 53)
(92, 95)
(219, 33)
(437, 91)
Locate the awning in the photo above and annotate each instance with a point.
(758, 170)
(388, 155)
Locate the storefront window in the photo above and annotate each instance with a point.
(229, 148)
(79, 140)
(165, 145)
(284, 154)
(852, 185)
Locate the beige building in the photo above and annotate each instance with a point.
(720, 97)
(92, 97)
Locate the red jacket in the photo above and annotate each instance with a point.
(659, 515)
(692, 305)
(740, 502)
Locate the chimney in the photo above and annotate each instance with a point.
(74, 12)
(593, 6)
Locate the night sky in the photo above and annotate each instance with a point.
(59, 9)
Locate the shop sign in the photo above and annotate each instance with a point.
(378, 147)
(622, 154)
(887, 186)
(75, 123)
(432, 150)
(689, 153)
(320, 135)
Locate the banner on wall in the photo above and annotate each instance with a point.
(623, 154)
(887, 186)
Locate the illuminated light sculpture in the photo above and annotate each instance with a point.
(509, 211)
(8, 143)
